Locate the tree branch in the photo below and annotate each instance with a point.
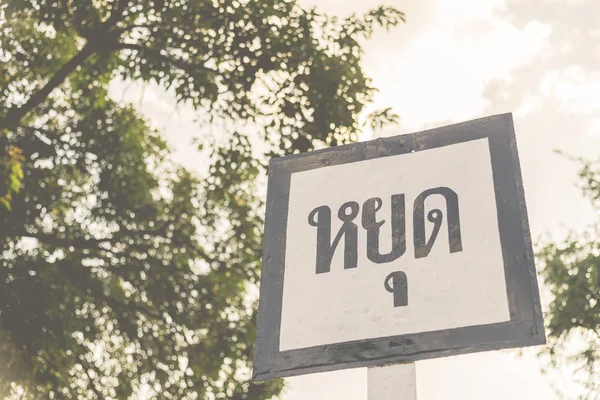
(15, 114)
(117, 13)
(157, 55)
(52, 239)
(87, 367)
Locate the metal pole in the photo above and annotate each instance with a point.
(392, 382)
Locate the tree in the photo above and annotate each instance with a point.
(571, 272)
(122, 273)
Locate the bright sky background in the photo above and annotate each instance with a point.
(456, 60)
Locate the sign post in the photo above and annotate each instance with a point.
(395, 250)
(393, 382)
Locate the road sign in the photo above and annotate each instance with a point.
(395, 250)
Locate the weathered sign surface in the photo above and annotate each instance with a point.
(397, 249)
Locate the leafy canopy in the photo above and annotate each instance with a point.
(122, 274)
(571, 272)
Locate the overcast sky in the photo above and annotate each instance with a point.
(456, 60)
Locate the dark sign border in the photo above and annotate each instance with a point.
(525, 327)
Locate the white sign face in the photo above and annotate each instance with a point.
(444, 289)
(395, 250)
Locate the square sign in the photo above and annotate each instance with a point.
(395, 250)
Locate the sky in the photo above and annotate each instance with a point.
(456, 60)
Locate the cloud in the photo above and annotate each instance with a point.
(575, 90)
(568, 2)
(468, 10)
(594, 128)
(440, 73)
(530, 105)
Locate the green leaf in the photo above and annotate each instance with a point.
(141, 266)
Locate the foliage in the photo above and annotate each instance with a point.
(12, 171)
(123, 275)
(571, 272)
